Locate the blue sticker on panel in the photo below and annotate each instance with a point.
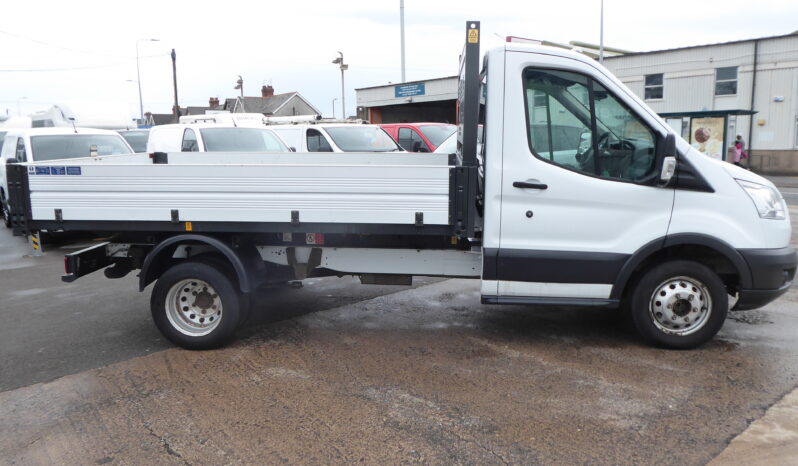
(42, 170)
(58, 170)
(73, 170)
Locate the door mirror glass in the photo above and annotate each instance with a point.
(668, 169)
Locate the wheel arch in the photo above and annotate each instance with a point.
(243, 258)
(710, 251)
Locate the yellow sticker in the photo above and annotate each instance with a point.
(473, 36)
(189, 227)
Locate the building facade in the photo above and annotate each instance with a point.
(747, 87)
(432, 100)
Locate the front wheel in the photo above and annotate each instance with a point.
(196, 305)
(679, 304)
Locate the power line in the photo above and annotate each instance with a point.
(77, 68)
(47, 44)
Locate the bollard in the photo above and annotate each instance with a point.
(35, 244)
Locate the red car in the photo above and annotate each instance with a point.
(419, 137)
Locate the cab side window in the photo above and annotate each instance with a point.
(575, 123)
(411, 141)
(317, 142)
(189, 141)
(21, 156)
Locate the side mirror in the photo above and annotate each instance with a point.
(292, 149)
(666, 156)
(416, 146)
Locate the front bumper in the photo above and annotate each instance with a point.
(772, 274)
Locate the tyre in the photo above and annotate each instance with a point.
(196, 305)
(6, 215)
(221, 263)
(678, 304)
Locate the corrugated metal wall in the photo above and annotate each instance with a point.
(689, 84)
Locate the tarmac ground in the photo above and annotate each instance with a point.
(336, 372)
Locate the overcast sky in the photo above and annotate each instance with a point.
(84, 51)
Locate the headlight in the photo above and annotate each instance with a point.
(766, 199)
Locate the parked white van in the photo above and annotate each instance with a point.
(212, 137)
(343, 137)
(45, 144)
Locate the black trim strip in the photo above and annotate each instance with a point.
(522, 265)
(586, 302)
(241, 227)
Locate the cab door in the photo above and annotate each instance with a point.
(579, 190)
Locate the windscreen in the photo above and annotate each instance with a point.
(362, 139)
(241, 140)
(137, 140)
(438, 133)
(71, 146)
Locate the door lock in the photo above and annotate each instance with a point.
(529, 214)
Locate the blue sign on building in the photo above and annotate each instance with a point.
(408, 90)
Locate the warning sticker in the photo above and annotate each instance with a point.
(73, 170)
(58, 170)
(42, 170)
(473, 36)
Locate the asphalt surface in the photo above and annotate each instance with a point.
(337, 372)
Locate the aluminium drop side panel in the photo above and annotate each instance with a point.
(228, 187)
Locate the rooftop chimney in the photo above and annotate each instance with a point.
(267, 91)
(213, 102)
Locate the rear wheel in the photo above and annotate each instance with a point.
(6, 215)
(196, 305)
(679, 304)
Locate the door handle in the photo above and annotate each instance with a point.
(529, 185)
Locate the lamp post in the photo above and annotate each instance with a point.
(340, 62)
(240, 85)
(333, 107)
(138, 75)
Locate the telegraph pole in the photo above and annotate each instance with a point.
(176, 107)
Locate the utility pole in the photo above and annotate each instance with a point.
(601, 35)
(333, 107)
(176, 108)
(402, 34)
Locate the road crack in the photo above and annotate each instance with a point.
(163, 441)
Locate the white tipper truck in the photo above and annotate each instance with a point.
(581, 196)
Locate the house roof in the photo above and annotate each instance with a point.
(195, 110)
(265, 105)
(731, 42)
(162, 118)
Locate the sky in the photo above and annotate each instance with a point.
(80, 51)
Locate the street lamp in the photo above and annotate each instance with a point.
(333, 106)
(340, 61)
(138, 75)
(240, 85)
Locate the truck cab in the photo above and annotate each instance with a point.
(336, 137)
(213, 137)
(594, 188)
